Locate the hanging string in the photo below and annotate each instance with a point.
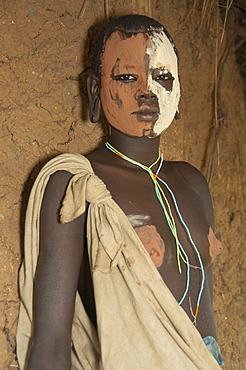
(180, 252)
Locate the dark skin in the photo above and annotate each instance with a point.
(63, 262)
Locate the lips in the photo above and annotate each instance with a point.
(147, 114)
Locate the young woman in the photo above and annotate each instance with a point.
(120, 243)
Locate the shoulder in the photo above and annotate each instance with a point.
(188, 174)
(59, 179)
(54, 192)
(73, 163)
(196, 181)
(59, 170)
(191, 175)
(56, 208)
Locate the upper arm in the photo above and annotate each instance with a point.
(60, 256)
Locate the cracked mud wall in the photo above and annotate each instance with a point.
(44, 111)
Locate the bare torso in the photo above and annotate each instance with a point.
(63, 265)
(133, 190)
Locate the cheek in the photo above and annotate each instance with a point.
(122, 96)
(168, 104)
(118, 102)
(115, 103)
(115, 95)
(110, 98)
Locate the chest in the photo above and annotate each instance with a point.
(161, 215)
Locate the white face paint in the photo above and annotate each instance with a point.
(163, 62)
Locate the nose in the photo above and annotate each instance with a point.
(147, 97)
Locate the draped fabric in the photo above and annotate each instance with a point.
(139, 323)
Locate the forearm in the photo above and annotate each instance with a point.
(48, 356)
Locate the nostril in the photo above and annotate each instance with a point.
(147, 95)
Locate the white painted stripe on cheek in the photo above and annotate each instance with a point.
(161, 54)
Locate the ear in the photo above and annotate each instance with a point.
(94, 97)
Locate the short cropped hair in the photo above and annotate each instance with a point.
(128, 24)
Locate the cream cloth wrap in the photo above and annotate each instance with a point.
(140, 324)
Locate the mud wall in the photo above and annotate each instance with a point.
(44, 60)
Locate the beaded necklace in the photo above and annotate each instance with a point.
(180, 252)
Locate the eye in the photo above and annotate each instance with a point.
(164, 78)
(125, 77)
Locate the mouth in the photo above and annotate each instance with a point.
(147, 115)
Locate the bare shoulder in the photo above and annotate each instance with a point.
(58, 181)
(191, 175)
(196, 181)
(54, 193)
(52, 201)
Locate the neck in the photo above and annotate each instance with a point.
(140, 149)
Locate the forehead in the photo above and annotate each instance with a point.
(125, 50)
(132, 51)
(161, 52)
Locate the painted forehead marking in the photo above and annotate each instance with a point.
(123, 44)
(157, 46)
(161, 52)
(124, 54)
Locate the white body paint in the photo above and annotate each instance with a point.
(138, 220)
(162, 55)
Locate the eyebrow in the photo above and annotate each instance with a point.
(162, 69)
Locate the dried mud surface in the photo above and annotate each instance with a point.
(44, 60)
